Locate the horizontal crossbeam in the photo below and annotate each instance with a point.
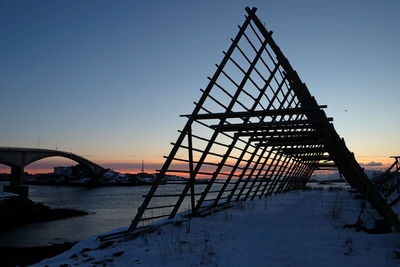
(257, 113)
(322, 165)
(287, 139)
(279, 131)
(306, 150)
(309, 158)
(295, 143)
(250, 126)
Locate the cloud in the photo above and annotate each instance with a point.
(372, 164)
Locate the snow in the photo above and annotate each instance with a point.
(302, 228)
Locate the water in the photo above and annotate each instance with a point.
(108, 207)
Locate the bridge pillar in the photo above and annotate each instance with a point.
(17, 176)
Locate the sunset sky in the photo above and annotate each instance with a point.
(108, 79)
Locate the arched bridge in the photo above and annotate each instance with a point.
(17, 158)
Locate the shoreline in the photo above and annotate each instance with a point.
(19, 211)
(102, 184)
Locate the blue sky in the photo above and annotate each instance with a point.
(108, 79)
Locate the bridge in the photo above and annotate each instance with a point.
(18, 158)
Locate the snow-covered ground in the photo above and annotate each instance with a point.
(303, 228)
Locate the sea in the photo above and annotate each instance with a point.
(109, 207)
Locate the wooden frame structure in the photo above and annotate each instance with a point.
(389, 182)
(255, 131)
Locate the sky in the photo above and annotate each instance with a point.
(108, 79)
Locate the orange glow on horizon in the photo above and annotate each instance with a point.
(125, 166)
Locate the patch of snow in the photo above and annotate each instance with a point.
(302, 228)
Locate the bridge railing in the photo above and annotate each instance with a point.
(10, 148)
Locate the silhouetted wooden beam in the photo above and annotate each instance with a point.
(286, 139)
(293, 128)
(261, 125)
(323, 165)
(279, 132)
(297, 143)
(257, 113)
(297, 151)
(296, 155)
(320, 157)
